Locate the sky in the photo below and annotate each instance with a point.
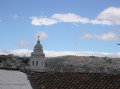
(65, 27)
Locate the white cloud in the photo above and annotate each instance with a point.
(58, 53)
(42, 35)
(27, 44)
(19, 52)
(109, 16)
(16, 16)
(110, 36)
(43, 21)
(104, 22)
(70, 17)
(80, 53)
(23, 43)
(56, 18)
(26, 52)
(76, 53)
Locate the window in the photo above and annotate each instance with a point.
(33, 63)
(36, 63)
(42, 64)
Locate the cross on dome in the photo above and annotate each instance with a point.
(38, 37)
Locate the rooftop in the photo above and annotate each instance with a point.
(75, 80)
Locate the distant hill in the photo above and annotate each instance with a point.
(89, 63)
(5, 57)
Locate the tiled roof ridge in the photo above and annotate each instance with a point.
(75, 80)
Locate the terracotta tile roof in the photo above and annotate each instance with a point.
(75, 80)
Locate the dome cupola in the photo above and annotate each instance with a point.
(38, 50)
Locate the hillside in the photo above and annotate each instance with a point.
(89, 63)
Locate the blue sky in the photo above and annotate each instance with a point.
(65, 26)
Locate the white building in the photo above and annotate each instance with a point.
(14, 80)
(37, 60)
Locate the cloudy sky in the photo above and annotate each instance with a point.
(66, 27)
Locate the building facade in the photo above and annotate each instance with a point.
(37, 60)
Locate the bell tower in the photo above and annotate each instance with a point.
(37, 60)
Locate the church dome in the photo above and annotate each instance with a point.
(38, 46)
(38, 50)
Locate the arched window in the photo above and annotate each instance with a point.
(36, 63)
(33, 63)
(42, 63)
